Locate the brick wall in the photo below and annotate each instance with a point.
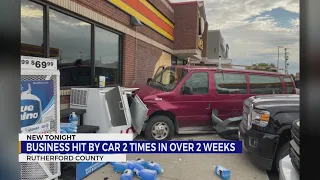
(186, 26)
(156, 36)
(107, 9)
(147, 57)
(144, 60)
(129, 52)
(65, 99)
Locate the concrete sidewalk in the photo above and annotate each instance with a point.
(193, 166)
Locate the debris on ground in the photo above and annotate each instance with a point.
(127, 175)
(145, 170)
(150, 165)
(119, 167)
(147, 174)
(222, 172)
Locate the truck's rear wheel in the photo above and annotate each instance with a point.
(159, 128)
(283, 152)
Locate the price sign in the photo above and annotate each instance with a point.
(28, 62)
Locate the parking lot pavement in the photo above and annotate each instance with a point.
(193, 166)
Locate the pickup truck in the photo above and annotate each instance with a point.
(264, 128)
(289, 167)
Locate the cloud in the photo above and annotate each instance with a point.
(294, 6)
(295, 24)
(253, 29)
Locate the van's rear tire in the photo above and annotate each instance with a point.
(159, 128)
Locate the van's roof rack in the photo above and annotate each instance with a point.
(190, 62)
(219, 68)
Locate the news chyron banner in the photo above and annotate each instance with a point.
(108, 147)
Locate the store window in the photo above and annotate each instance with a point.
(107, 56)
(72, 38)
(69, 39)
(228, 83)
(185, 62)
(265, 84)
(180, 62)
(31, 29)
(173, 60)
(199, 83)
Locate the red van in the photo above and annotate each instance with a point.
(181, 98)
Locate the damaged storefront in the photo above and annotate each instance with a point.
(104, 43)
(103, 46)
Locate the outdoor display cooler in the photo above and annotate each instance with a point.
(113, 109)
(40, 109)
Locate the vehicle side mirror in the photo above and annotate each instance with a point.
(148, 80)
(186, 90)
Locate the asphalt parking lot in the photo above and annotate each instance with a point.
(193, 166)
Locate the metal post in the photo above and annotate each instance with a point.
(278, 61)
(286, 57)
(278, 58)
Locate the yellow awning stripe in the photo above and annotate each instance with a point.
(138, 15)
(155, 11)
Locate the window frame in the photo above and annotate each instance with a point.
(245, 77)
(188, 77)
(45, 49)
(277, 76)
(169, 68)
(46, 39)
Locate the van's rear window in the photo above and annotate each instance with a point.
(260, 84)
(289, 85)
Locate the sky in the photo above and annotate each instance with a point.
(254, 28)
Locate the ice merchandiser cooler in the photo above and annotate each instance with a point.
(40, 109)
(113, 109)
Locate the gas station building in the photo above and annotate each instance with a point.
(120, 41)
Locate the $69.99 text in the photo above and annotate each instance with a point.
(37, 64)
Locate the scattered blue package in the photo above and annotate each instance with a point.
(154, 166)
(135, 166)
(127, 175)
(69, 127)
(222, 172)
(120, 167)
(142, 162)
(147, 174)
(73, 118)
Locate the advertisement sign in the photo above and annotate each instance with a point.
(201, 31)
(200, 43)
(102, 81)
(28, 62)
(37, 105)
(201, 26)
(84, 169)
